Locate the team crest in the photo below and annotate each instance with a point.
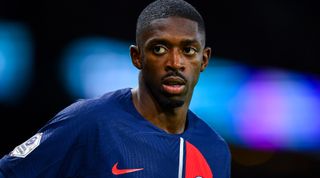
(27, 147)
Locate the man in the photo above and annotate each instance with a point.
(147, 132)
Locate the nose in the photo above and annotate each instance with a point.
(175, 61)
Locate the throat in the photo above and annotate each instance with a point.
(172, 125)
(171, 120)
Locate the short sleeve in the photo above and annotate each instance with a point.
(45, 151)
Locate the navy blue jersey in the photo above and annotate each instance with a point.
(107, 137)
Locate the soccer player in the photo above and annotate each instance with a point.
(143, 132)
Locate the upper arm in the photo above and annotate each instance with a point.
(45, 151)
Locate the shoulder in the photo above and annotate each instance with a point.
(207, 132)
(111, 98)
(83, 112)
(94, 106)
(69, 133)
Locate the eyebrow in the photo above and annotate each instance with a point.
(165, 42)
(189, 42)
(157, 41)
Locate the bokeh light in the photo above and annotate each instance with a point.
(94, 66)
(278, 110)
(15, 61)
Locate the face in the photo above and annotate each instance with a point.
(170, 55)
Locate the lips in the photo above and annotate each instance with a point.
(173, 85)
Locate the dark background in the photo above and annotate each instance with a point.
(262, 33)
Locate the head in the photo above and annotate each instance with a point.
(170, 51)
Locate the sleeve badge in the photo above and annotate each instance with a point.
(27, 147)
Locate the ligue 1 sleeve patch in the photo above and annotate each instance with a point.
(27, 147)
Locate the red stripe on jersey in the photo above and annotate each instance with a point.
(196, 164)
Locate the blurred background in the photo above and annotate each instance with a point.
(261, 90)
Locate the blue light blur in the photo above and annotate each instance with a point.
(217, 85)
(15, 61)
(94, 66)
(264, 109)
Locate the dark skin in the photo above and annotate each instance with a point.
(170, 55)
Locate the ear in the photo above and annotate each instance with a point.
(205, 58)
(135, 56)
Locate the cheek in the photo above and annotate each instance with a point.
(195, 67)
(152, 67)
(152, 71)
(194, 72)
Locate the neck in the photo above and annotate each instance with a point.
(171, 120)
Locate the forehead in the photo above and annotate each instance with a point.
(172, 28)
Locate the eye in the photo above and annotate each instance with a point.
(159, 49)
(189, 51)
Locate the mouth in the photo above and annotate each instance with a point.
(173, 85)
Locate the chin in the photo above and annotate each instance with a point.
(175, 103)
(167, 100)
(171, 103)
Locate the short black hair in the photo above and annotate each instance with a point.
(168, 8)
